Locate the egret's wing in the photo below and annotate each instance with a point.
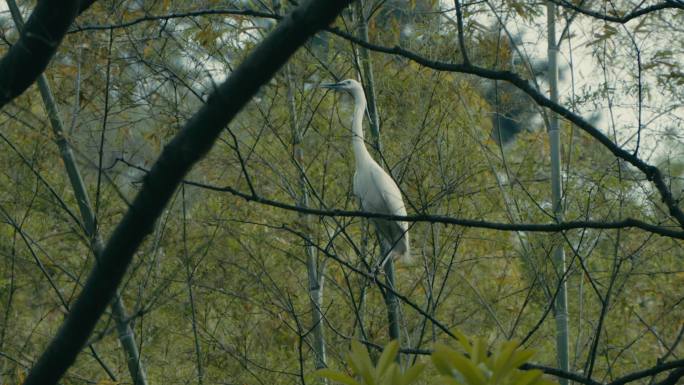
(388, 193)
(376, 190)
(388, 200)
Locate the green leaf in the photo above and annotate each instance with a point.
(529, 377)
(412, 374)
(359, 355)
(351, 361)
(448, 380)
(335, 376)
(440, 358)
(468, 369)
(502, 365)
(520, 357)
(387, 357)
(447, 360)
(465, 342)
(479, 353)
(395, 376)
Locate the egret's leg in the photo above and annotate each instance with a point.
(392, 301)
(385, 256)
(383, 261)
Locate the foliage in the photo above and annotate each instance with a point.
(386, 372)
(476, 366)
(221, 284)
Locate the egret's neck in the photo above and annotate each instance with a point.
(360, 151)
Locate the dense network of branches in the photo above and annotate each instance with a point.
(220, 178)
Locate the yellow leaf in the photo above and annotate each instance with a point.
(412, 374)
(364, 366)
(388, 355)
(335, 376)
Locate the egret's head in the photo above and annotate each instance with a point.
(349, 85)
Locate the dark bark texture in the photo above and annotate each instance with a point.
(37, 44)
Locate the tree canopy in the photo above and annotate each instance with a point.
(177, 206)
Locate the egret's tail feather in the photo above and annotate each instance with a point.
(403, 257)
(394, 240)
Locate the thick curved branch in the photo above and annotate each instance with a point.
(561, 374)
(38, 42)
(626, 379)
(678, 364)
(619, 19)
(186, 148)
(672, 378)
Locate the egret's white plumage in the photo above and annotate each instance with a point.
(376, 190)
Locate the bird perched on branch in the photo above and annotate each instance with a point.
(375, 188)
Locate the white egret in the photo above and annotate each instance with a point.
(376, 190)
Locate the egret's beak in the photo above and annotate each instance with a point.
(333, 86)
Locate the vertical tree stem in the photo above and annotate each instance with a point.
(392, 302)
(368, 80)
(189, 273)
(561, 302)
(314, 274)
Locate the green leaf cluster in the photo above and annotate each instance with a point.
(478, 367)
(386, 372)
(475, 366)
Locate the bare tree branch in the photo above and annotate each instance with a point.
(619, 19)
(678, 364)
(672, 378)
(178, 15)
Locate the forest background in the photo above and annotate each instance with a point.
(258, 270)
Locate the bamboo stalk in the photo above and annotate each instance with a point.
(314, 274)
(558, 255)
(368, 79)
